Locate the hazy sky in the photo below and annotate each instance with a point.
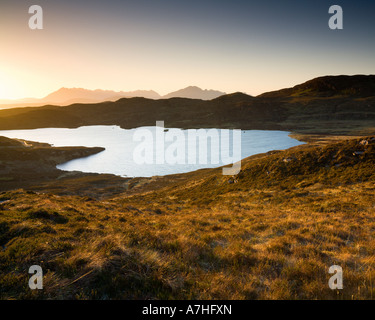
(165, 45)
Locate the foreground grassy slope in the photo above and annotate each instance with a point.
(270, 232)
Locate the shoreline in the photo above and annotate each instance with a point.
(102, 186)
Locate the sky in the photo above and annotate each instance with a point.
(165, 45)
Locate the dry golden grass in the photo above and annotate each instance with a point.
(246, 240)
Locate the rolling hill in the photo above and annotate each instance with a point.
(335, 104)
(360, 86)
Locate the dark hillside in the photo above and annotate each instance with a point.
(329, 105)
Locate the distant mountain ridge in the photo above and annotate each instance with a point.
(67, 96)
(193, 92)
(334, 105)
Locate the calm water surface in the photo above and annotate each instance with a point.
(119, 146)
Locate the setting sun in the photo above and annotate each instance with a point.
(9, 88)
(3, 87)
(19, 84)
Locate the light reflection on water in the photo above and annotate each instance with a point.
(119, 145)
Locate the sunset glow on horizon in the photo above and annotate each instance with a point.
(164, 45)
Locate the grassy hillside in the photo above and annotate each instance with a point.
(359, 86)
(271, 232)
(330, 105)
